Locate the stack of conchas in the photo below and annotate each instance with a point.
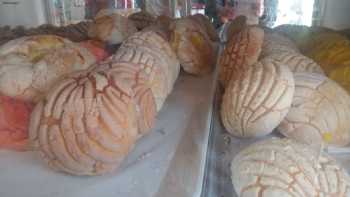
(258, 93)
(282, 89)
(192, 40)
(29, 67)
(89, 122)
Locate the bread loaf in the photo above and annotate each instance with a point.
(86, 125)
(236, 26)
(242, 51)
(33, 47)
(297, 62)
(257, 99)
(113, 29)
(132, 73)
(152, 54)
(276, 43)
(320, 112)
(206, 25)
(193, 47)
(29, 77)
(142, 19)
(285, 168)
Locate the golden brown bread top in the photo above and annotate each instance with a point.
(242, 51)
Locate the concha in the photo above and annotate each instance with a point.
(86, 125)
(297, 62)
(28, 78)
(194, 49)
(133, 74)
(33, 47)
(151, 53)
(142, 19)
(242, 51)
(286, 168)
(113, 29)
(257, 100)
(206, 25)
(320, 112)
(276, 43)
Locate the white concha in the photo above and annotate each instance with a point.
(286, 168)
(297, 62)
(276, 43)
(113, 29)
(33, 47)
(257, 99)
(86, 125)
(320, 112)
(30, 80)
(152, 54)
(137, 78)
(242, 51)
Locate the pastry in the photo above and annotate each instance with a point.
(194, 49)
(320, 112)
(33, 47)
(297, 62)
(29, 77)
(236, 26)
(207, 26)
(242, 51)
(276, 43)
(257, 99)
(86, 125)
(158, 61)
(113, 29)
(286, 168)
(97, 48)
(127, 69)
(142, 19)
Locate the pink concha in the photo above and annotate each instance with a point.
(86, 125)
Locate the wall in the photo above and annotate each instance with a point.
(29, 13)
(336, 14)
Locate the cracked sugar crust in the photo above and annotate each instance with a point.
(33, 47)
(193, 47)
(27, 73)
(277, 43)
(242, 51)
(135, 76)
(86, 125)
(113, 28)
(320, 112)
(297, 62)
(152, 54)
(286, 168)
(258, 99)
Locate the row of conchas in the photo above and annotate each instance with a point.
(268, 84)
(89, 121)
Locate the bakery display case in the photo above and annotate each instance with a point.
(169, 98)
